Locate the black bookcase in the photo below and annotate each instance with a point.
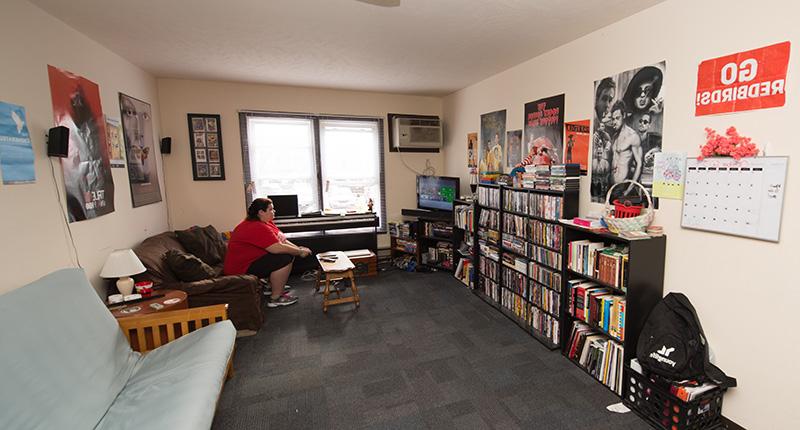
(506, 240)
(645, 284)
(425, 238)
(463, 239)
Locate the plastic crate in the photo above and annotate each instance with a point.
(664, 410)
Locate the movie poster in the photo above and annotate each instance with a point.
(116, 151)
(626, 132)
(87, 173)
(576, 143)
(544, 128)
(16, 152)
(472, 153)
(137, 130)
(492, 145)
(513, 148)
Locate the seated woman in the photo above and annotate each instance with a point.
(258, 247)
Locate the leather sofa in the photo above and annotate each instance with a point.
(67, 365)
(242, 293)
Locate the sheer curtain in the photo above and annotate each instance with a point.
(283, 159)
(351, 165)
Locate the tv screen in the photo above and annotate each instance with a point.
(436, 192)
(285, 205)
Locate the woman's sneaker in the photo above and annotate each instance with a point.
(284, 300)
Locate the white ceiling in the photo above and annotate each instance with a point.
(430, 47)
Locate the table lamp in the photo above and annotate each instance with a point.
(122, 264)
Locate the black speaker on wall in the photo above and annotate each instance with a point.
(166, 145)
(58, 142)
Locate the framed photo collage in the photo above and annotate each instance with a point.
(205, 137)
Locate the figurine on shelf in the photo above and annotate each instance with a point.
(370, 203)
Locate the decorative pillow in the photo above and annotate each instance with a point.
(187, 267)
(204, 242)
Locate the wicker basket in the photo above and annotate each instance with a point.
(637, 223)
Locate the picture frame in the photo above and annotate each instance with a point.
(205, 141)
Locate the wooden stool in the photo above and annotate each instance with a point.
(341, 268)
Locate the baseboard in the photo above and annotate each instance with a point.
(730, 425)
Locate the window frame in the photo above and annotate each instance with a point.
(315, 120)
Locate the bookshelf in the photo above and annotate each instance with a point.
(463, 241)
(626, 286)
(518, 244)
(429, 239)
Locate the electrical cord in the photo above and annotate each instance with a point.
(64, 214)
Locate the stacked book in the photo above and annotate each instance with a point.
(609, 264)
(597, 306)
(601, 357)
(537, 177)
(565, 177)
(402, 229)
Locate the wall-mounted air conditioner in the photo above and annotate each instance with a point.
(416, 132)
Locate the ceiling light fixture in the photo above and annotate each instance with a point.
(382, 3)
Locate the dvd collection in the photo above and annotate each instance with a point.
(489, 197)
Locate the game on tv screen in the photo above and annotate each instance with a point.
(436, 192)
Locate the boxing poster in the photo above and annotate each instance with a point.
(576, 144)
(544, 128)
(627, 130)
(137, 131)
(492, 145)
(87, 173)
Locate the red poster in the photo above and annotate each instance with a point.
(744, 81)
(576, 148)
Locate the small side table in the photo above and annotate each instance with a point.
(341, 268)
(172, 300)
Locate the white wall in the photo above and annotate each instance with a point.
(34, 237)
(222, 203)
(745, 291)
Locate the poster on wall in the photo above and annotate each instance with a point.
(668, 175)
(472, 153)
(137, 132)
(87, 172)
(116, 150)
(16, 152)
(576, 143)
(513, 148)
(627, 130)
(748, 80)
(544, 130)
(492, 145)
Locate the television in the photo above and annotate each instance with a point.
(285, 205)
(437, 192)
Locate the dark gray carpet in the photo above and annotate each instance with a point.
(421, 352)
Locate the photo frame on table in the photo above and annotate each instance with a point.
(205, 140)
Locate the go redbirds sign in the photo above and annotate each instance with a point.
(748, 80)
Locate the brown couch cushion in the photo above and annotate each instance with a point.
(187, 267)
(151, 253)
(204, 242)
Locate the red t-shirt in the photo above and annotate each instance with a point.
(248, 243)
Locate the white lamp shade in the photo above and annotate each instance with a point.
(122, 263)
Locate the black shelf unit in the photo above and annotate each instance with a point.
(422, 240)
(462, 236)
(497, 202)
(645, 286)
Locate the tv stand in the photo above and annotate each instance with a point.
(431, 239)
(428, 214)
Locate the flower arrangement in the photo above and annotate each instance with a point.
(732, 144)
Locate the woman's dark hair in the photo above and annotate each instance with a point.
(259, 204)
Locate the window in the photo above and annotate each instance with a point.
(332, 163)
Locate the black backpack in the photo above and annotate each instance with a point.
(672, 344)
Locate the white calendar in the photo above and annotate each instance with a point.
(743, 197)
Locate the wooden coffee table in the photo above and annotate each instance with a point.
(171, 301)
(338, 269)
